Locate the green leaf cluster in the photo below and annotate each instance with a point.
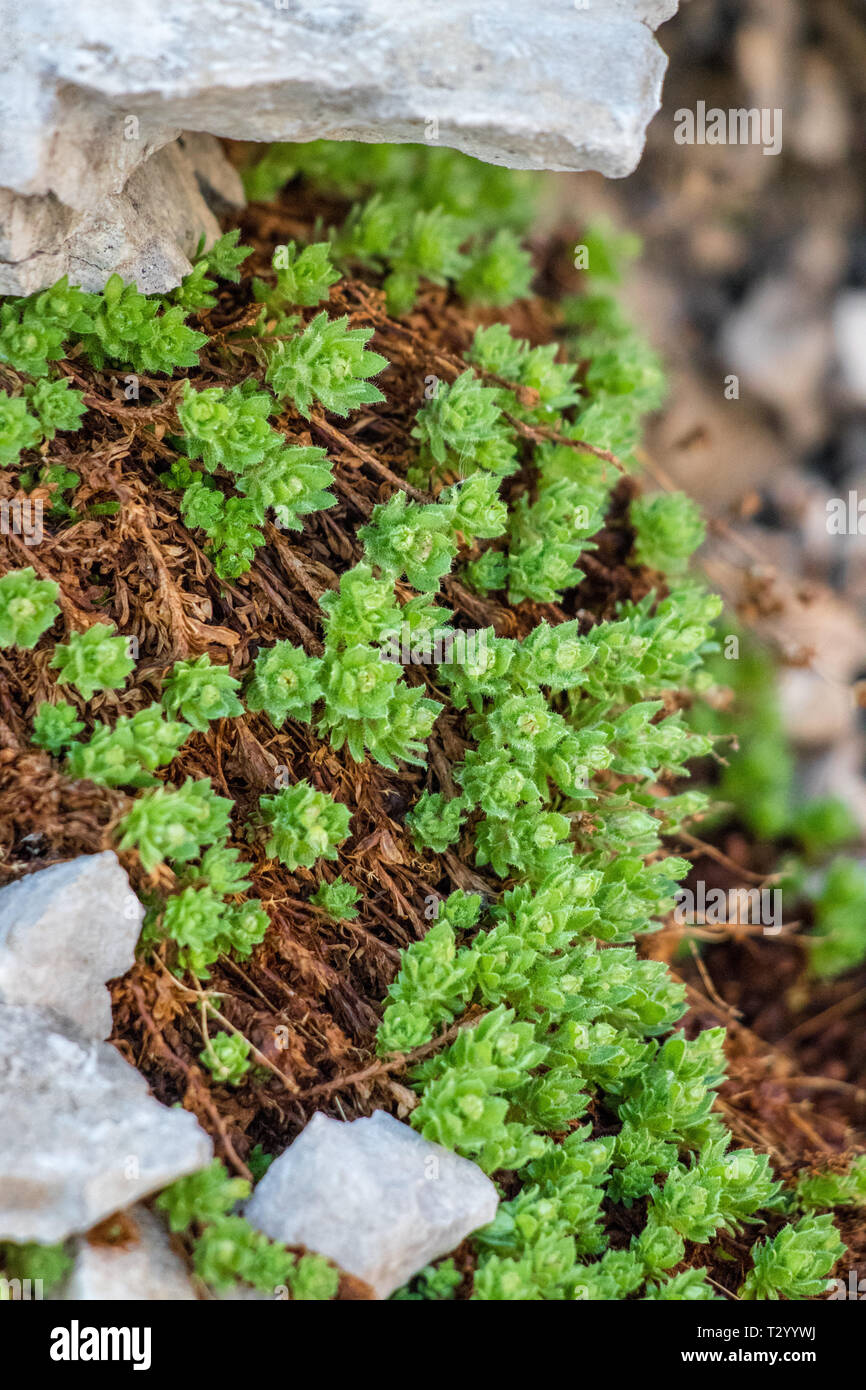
(96, 659)
(825, 1191)
(204, 926)
(839, 939)
(338, 899)
(222, 260)
(668, 529)
(796, 1262)
(47, 1264)
(229, 431)
(367, 706)
(127, 754)
(429, 214)
(128, 328)
(414, 175)
(327, 364)
(496, 350)
(435, 821)
(304, 279)
(227, 1058)
(303, 825)
(462, 428)
(55, 726)
(285, 683)
(28, 607)
(37, 414)
(200, 692)
(175, 822)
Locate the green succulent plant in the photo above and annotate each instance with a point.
(96, 659)
(435, 821)
(204, 926)
(227, 1058)
(127, 754)
(338, 898)
(175, 823)
(303, 825)
(796, 1262)
(497, 273)
(200, 692)
(411, 538)
(668, 529)
(18, 428)
(228, 428)
(285, 683)
(463, 422)
(328, 363)
(533, 1010)
(55, 726)
(57, 405)
(304, 278)
(130, 329)
(28, 607)
(228, 1250)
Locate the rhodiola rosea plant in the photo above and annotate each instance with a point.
(384, 711)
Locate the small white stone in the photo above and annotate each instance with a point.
(849, 328)
(778, 341)
(65, 931)
(375, 1197)
(816, 712)
(80, 1135)
(145, 1269)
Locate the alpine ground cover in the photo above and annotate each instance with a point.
(432, 886)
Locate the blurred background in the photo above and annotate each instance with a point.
(752, 287)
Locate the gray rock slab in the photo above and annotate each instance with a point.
(146, 232)
(372, 1195)
(92, 94)
(64, 931)
(80, 1135)
(143, 1269)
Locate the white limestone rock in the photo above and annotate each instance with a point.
(375, 1197)
(146, 232)
(65, 931)
(144, 1269)
(91, 95)
(80, 1135)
